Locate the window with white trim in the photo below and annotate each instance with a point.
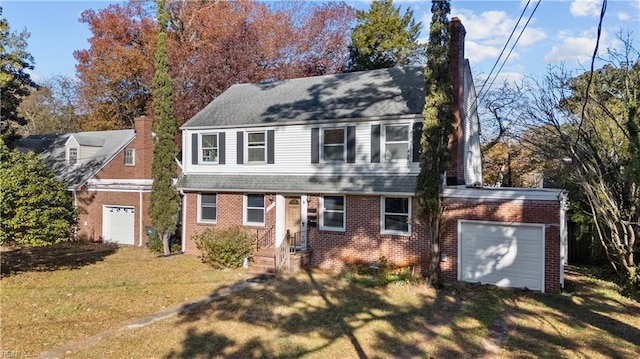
(333, 144)
(72, 156)
(332, 216)
(254, 209)
(395, 213)
(256, 147)
(129, 157)
(207, 207)
(396, 142)
(209, 148)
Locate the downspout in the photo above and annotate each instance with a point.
(140, 217)
(183, 229)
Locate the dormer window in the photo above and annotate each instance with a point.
(72, 158)
(129, 157)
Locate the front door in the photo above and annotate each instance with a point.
(292, 221)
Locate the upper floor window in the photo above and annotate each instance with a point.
(256, 147)
(254, 209)
(333, 144)
(332, 216)
(208, 207)
(396, 142)
(396, 215)
(129, 157)
(209, 148)
(73, 156)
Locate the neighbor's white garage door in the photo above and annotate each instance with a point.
(507, 255)
(118, 224)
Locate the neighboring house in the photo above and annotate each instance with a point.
(109, 176)
(327, 166)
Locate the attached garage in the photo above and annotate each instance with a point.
(118, 224)
(503, 254)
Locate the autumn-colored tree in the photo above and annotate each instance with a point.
(116, 71)
(437, 127)
(15, 81)
(164, 197)
(251, 41)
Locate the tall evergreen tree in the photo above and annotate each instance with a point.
(15, 82)
(437, 127)
(164, 198)
(383, 38)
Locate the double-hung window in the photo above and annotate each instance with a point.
(254, 209)
(396, 215)
(209, 148)
(333, 144)
(73, 156)
(396, 142)
(208, 207)
(333, 213)
(256, 147)
(129, 157)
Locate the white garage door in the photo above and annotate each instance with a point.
(507, 255)
(118, 224)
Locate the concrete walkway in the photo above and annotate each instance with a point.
(149, 319)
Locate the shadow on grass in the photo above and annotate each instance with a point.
(319, 306)
(50, 258)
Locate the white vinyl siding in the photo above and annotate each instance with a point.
(292, 152)
(332, 216)
(253, 209)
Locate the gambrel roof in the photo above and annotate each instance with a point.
(380, 93)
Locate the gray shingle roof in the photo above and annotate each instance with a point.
(298, 183)
(52, 149)
(385, 92)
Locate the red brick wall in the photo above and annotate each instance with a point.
(517, 211)
(229, 214)
(455, 174)
(90, 212)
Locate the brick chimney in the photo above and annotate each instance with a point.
(144, 146)
(455, 174)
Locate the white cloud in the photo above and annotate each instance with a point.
(582, 8)
(623, 16)
(477, 53)
(578, 48)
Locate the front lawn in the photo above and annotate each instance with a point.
(53, 295)
(311, 314)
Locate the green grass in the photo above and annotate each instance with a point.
(311, 314)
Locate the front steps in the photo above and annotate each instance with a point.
(263, 262)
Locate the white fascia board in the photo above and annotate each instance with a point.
(522, 194)
(136, 182)
(294, 192)
(306, 123)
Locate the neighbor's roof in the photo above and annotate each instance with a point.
(52, 149)
(376, 93)
(399, 184)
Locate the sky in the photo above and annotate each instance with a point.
(558, 32)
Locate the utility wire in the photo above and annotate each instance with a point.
(511, 50)
(504, 47)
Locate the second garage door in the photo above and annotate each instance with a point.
(506, 255)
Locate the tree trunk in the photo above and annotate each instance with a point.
(435, 235)
(165, 243)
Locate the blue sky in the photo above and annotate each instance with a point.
(560, 31)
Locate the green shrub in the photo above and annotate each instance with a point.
(155, 245)
(226, 247)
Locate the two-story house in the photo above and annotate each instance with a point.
(109, 176)
(328, 165)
